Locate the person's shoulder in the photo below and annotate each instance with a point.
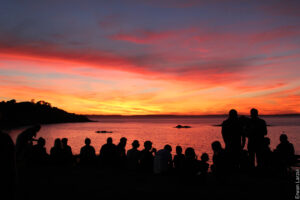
(291, 144)
(225, 122)
(261, 120)
(92, 148)
(144, 151)
(278, 146)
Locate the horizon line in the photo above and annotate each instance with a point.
(185, 115)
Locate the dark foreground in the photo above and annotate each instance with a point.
(92, 183)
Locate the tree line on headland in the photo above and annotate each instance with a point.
(13, 114)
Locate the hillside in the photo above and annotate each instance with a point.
(13, 114)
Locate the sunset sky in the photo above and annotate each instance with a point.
(152, 57)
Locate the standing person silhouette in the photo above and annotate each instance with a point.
(133, 156)
(234, 139)
(121, 153)
(256, 134)
(87, 153)
(66, 152)
(108, 153)
(24, 142)
(147, 157)
(7, 167)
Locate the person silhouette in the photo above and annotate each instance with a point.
(24, 143)
(87, 153)
(234, 139)
(163, 160)
(285, 152)
(219, 159)
(56, 153)
(121, 153)
(7, 167)
(179, 160)
(133, 156)
(147, 157)
(256, 134)
(66, 152)
(267, 154)
(191, 164)
(40, 156)
(108, 153)
(203, 167)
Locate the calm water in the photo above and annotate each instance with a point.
(160, 131)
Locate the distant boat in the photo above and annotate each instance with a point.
(180, 126)
(103, 131)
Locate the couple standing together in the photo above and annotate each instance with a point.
(234, 132)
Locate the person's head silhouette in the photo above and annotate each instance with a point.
(168, 148)
(148, 145)
(64, 141)
(254, 113)
(87, 141)
(283, 138)
(216, 146)
(109, 140)
(204, 157)
(41, 141)
(178, 150)
(190, 153)
(57, 143)
(233, 114)
(123, 141)
(135, 144)
(267, 141)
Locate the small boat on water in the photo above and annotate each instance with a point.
(103, 131)
(180, 126)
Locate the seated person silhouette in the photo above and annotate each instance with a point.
(191, 165)
(66, 152)
(108, 154)
(204, 166)
(56, 153)
(133, 156)
(87, 154)
(179, 160)
(147, 157)
(285, 152)
(267, 154)
(219, 159)
(163, 160)
(40, 156)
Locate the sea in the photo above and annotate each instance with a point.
(160, 131)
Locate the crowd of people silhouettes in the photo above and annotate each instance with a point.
(234, 157)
